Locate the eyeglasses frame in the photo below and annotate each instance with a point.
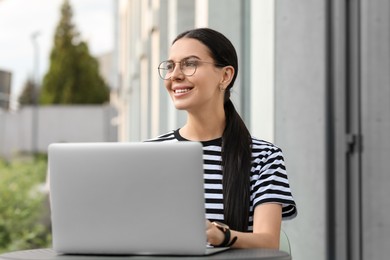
(181, 62)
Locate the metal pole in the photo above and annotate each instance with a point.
(35, 116)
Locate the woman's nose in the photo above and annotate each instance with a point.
(177, 74)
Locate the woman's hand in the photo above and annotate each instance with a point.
(214, 235)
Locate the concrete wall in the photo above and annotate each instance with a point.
(300, 123)
(375, 116)
(332, 63)
(19, 132)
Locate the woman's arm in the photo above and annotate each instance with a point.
(267, 220)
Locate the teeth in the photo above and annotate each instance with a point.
(182, 90)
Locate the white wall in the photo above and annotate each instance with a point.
(55, 124)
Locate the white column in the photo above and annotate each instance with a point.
(172, 32)
(201, 13)
(262, 69)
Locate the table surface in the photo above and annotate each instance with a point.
(49, 254)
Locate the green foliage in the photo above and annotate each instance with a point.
(27, 96)
(24, 215)
(73, 76)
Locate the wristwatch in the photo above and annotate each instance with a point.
(226, 231)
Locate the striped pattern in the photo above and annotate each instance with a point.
(269, 182)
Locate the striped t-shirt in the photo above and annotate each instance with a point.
(268, 178)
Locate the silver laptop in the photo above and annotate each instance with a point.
(128, 198)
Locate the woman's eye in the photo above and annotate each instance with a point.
(169, 66)
(190, 63)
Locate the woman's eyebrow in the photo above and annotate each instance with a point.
(191, 56)
(186, 58)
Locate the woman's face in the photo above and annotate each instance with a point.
(201, 91)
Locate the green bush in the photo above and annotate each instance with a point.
(24, 213)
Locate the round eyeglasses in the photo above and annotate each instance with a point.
(187, 66)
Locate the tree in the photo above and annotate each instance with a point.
(27, 95)
(73, 75)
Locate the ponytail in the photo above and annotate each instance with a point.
(236, 163)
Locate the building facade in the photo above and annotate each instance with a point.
(313, 79)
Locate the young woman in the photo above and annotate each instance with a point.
(246, 186)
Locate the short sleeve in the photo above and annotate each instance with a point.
(269, 181)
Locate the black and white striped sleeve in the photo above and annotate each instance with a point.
(269, 181)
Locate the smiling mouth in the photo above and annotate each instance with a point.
(180, 91)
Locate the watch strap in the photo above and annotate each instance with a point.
(232, 242)
(226, 242)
